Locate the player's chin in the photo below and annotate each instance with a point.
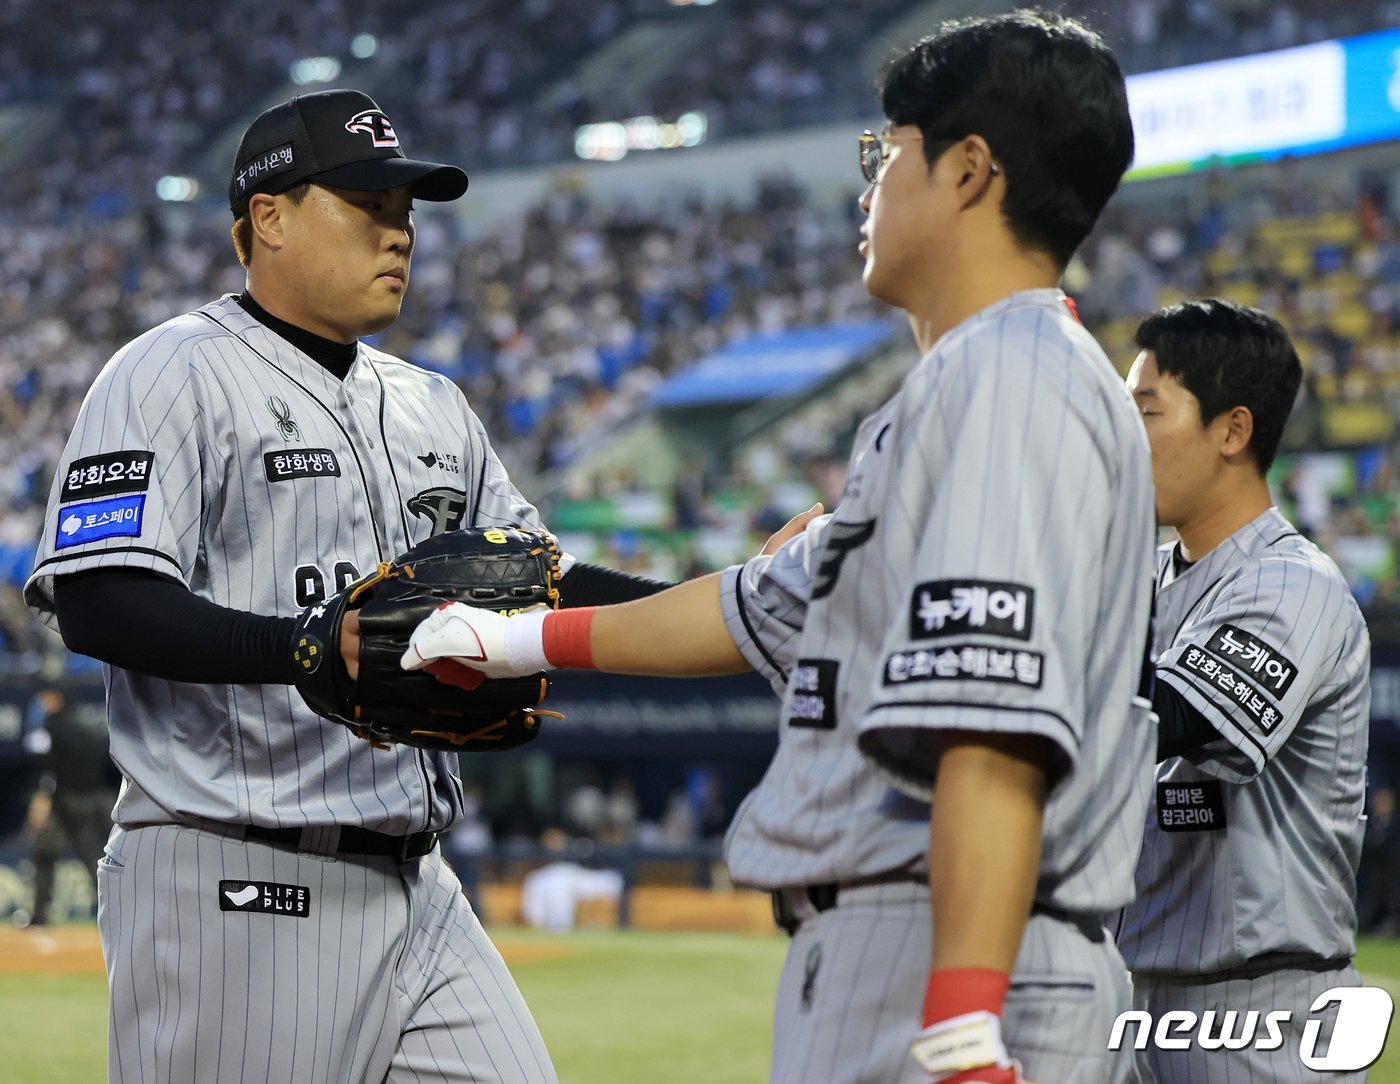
(1170, 513)
(382, 316)
(878, 285)
(1168, 518)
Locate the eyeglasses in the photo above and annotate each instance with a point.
(874, 152)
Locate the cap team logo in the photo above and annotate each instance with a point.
(373, 123)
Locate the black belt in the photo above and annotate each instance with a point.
(353, 840)
(823, 897)
(1254, 968)
(1088, 923)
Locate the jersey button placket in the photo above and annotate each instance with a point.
(357, 421)
(350, 401)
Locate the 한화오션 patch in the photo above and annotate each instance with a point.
(103, 475)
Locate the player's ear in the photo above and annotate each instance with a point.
(1238, 431)
(265, 216)
(976, 167)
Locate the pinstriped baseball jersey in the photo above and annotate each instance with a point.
(1253, 841)
(989, 568)
(213, 452)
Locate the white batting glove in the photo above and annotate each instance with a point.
(966, 1049)
(489, 643)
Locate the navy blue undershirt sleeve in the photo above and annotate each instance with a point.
(594, 585)
(1180, 727)
(148, 624)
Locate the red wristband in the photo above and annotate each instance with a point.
(953, 991)
(568, 638)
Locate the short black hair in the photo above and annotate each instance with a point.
(1228, 355)
(1046, 94)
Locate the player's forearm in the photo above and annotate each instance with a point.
(679, 633)
(984, 849)
(984, 858)
(676, 632)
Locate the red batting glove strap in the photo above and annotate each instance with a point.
(568, 638)
(989, 1074)
(953, 991)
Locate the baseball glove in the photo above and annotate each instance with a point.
(498, 568)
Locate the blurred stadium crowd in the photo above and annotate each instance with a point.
(559, 323)
(505, 81)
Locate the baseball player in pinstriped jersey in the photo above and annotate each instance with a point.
(1247, 881)
(969, 625)
(272, 903)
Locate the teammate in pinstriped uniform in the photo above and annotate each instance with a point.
(969, 624)
(1247, 881)
(273, 905)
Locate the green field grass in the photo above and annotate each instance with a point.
(615, 1008)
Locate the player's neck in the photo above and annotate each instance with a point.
(335, 357)
(973, 286)
(286, 299)
(1221, 515)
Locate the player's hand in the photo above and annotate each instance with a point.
(460, 645)
(790, 530)
(943, 1049)
(350, 643)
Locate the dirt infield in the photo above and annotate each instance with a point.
(75, 950)
(60, 950)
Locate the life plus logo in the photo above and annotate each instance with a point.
(1363, 1018)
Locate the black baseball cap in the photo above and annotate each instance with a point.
(335, 137)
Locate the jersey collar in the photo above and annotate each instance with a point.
(1255, 536)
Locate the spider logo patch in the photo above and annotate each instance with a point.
(283, 413)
